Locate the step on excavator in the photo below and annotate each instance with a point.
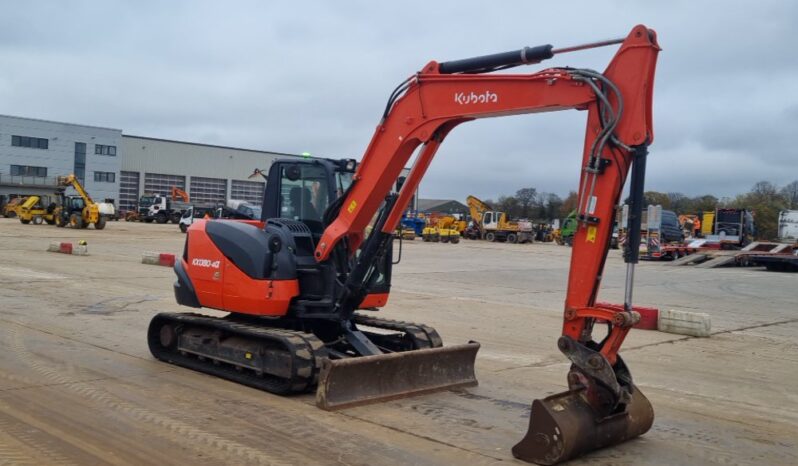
(302, 284)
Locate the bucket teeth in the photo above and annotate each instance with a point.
(565, 425)
(351, 382)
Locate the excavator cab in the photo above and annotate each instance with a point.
(296, 322)
(302, 190)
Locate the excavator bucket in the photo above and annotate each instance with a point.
(564, 426)
(351, 382)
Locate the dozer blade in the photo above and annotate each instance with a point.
(351, 382)
(564, 426)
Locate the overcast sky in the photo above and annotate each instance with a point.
(314, 76)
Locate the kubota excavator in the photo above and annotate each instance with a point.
(293, 283)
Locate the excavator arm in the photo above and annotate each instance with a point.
(477, 208)
(602, 407)
(179, 193)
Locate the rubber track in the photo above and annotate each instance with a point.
(423, 335)
(307, 352)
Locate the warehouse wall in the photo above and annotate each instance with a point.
(208, 173)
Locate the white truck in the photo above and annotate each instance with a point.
(788, 226)
(164, 209)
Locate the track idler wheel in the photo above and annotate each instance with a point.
(565, 425)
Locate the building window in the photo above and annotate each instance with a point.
(100, 149)
(80, 161)
(27, 170)
(26, 141)
(105, 177)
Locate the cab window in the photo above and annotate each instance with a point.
(304, 193)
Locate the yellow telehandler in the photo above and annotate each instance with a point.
(77, 211)
(36, 210)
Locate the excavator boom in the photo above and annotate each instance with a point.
(602, 406)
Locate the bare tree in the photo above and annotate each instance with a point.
(509, 205)
(526, 198)
(764, 189)
(568, 204)
(790, 193)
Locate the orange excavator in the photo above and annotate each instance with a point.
(177, 192)
(302, 284)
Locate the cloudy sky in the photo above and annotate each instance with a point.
(314, 76)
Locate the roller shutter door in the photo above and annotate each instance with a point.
(250, 191)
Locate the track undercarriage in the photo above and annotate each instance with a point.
(274, 355)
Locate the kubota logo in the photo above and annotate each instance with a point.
(473, 98)
(206, 263)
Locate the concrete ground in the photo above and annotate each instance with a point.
(78, 385)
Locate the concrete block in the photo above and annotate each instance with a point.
(82, 249)
(649, 318)
(157, 258)
(151, 258)
(166, 260)
(696, 324)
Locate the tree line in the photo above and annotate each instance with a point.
(528, 203)
(765, 200)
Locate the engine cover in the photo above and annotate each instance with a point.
(238, 266)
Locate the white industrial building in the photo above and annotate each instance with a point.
(111, 165)
(34, 152)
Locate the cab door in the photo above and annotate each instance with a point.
(490, 221)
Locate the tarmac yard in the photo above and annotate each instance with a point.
(79, 386)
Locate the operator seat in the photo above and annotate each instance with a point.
(304, 209)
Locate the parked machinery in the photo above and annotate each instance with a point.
(36, 210)
(732, 229)
(76, 211)
(567, 230)
(444, 229)
(492, 225)
(10, 207)
(412, 226)
(163, 209)
(727, 228)
(293, 283)
(691, 225)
